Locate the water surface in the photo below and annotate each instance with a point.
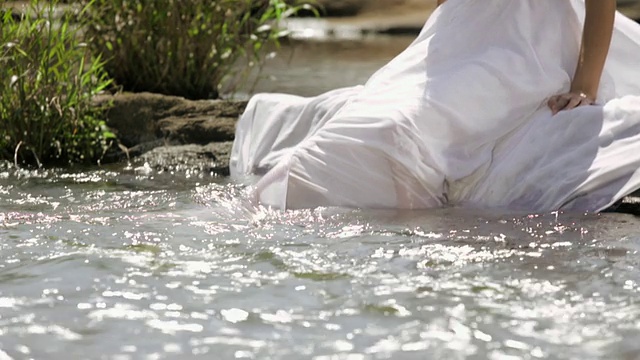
(308, 68)
(128, 263)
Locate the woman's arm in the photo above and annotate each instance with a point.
(596, 40)
(598, 29)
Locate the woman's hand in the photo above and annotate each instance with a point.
(568, 101)
(596, 40)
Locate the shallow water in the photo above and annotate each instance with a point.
(308, 68)
(126, 263)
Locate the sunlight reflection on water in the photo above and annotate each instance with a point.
(117, 264)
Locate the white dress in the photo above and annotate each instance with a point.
(459, 118)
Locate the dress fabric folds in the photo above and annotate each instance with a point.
(459, 118)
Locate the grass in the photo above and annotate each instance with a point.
(188, 48)
(47, 80)
(52, 65)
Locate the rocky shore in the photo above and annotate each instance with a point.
(169, 133)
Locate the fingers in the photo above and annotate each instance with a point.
(574, 102)
(568, 101)
(586, 101)
(558, 103)
(552, 104)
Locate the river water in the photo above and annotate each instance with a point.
(125, 262)
(308, 68)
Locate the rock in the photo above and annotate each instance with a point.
(144, 118)
(198, 129)
(210, 159)
(340, 7)
(134, 117)
(396, 17)
(171, 133)
(628, 205)
(123, 153)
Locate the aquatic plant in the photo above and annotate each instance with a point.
(47, 80)
(188, 48)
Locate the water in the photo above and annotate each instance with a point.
(125, 262)
(308, 68)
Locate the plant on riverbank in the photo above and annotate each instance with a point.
(188, 48)
(47, 80)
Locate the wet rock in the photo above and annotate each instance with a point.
(340, 7)
(145, 118)
(198, 129)
(629, 205)
(169, 133)
(134, 117)
(212, 159)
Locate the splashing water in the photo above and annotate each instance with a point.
(121, 264)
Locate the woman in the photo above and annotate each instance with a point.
(486, 108)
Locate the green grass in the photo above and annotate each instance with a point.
(47, 80)
(188, 48)
(52, 67)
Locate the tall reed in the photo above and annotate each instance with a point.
(47, 80)
(188, 48)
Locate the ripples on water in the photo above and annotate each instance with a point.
(121, 264)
